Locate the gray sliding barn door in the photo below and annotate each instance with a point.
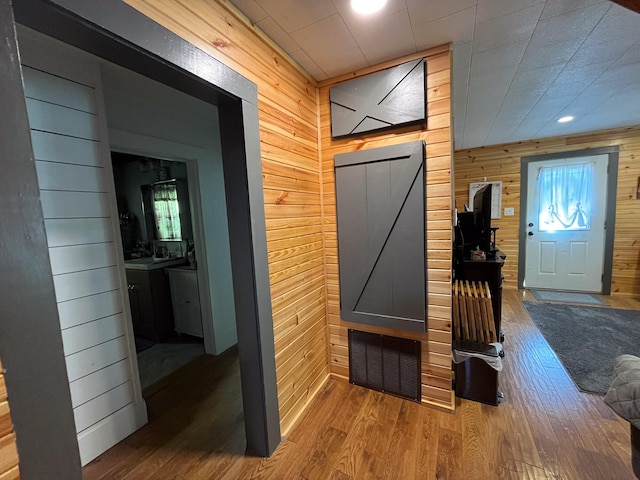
(380, 201)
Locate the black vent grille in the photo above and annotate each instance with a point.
(386, 364)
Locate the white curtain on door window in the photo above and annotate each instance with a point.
(565, 197)
(167, 212)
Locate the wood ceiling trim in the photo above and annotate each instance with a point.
(391, 63)
(247, 22)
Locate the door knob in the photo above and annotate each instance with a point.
(530, 224)
(531, 234)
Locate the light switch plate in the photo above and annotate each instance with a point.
(509, 212)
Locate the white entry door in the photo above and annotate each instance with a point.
(565, 223)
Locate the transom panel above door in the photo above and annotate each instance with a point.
(380, 203)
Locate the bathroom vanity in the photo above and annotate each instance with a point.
(150, 296)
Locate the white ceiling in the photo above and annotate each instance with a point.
(519, 65)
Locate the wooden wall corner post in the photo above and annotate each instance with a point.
(436, 342)
(288, 125)
(30, 338)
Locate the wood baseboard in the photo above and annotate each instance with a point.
(340, 378)
(303, 410)
(441, 406)
(113, 429)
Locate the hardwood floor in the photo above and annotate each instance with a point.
(544, 429)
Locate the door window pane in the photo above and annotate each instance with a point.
(565, 197)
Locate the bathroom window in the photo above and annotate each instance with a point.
(166, 212)
(565, 197)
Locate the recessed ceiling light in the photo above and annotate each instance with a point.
(566, 119)
(366, 7)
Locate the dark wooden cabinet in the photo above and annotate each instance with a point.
(475, 379)
(150, 300)
(489, 271)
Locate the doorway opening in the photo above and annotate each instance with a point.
(155, 221)
(567, 220)
(109, 288)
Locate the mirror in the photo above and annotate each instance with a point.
(153, 205)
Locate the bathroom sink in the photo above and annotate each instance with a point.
(151, 263)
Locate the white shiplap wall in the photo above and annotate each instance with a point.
(64, 103)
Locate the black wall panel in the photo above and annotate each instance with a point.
(381, 100)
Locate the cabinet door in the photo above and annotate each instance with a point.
(135, 308)
(186, 302)
(181, 286)
(188, 319)
(161, 308)
(141, 302)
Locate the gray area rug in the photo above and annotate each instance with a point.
(587, 339)
(566, 297)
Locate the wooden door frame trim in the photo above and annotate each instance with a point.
(115, 31)
(30, 337)
(610, 213)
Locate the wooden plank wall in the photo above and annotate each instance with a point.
(8, 451)
(436, 343)
(502, 162)
(288, 119)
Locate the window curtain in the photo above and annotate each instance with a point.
(167, 212)
(565, 197)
